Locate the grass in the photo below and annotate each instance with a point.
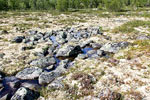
(129, 26)
(137, 49)
(23, 26)
(32, 19)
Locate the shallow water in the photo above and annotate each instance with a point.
(86, 49)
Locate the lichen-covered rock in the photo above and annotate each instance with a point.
(47, 77)
(43, 62)
(63, 65)
(29, 73)
(114, 47)
(25, 94)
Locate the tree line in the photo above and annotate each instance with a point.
(64, 5)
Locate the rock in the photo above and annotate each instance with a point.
(74, 53)
(3, 32)
(18, 39)
(86, 43)
(69, 51)
(33, 85)
(63, 65)
(91, 52)
(123, 44)
(29, 73)
(2, 55)
(106, 94)
(143, 37)
(56, 84)
(101, 53)
(32, 32)
(95, 30)
(96, 45)
(94, 56)
(5, 97)
(43, 62)
(11, 82)
(82, 56)
(25, 94)
(47, 77)
(114, 47)
(1, 84)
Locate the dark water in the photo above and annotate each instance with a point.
(11, 84)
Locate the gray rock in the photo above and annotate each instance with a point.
(86, 43)
(5, 97)
(29, 73)
(143, 37)
(101, 53)
(96, 45)
(43, 62)
(32, 32)
(18, 39)
(69, 51)
(47, 77)
(2, 55)
(94, 30)
(12, 82)
(31, 86)
(91, 52)
(95, 56)
(56, 84)
(1, 84)
(82, 56)
(114, 47)
(63, 65)
(25, 94)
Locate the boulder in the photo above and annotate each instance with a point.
(56, 84)
(2, 55)
(18, 39)
(143, 37)
(114, 47)
(69, 51)
(63, 65)
(43, 62)
(47, 77)
(96, 45)
(25, 94)
(29, 73)
(101, 53)
(82, 56)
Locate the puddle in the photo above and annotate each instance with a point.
(86, 49)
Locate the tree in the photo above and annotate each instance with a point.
(62, 5)
(114, 5)
(3, 4)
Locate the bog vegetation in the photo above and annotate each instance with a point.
(64, 5)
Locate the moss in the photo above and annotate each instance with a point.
(129, 26)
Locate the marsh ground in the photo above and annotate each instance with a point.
(127, 72)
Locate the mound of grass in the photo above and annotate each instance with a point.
(129, 26)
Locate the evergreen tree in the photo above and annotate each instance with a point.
(62, 5)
